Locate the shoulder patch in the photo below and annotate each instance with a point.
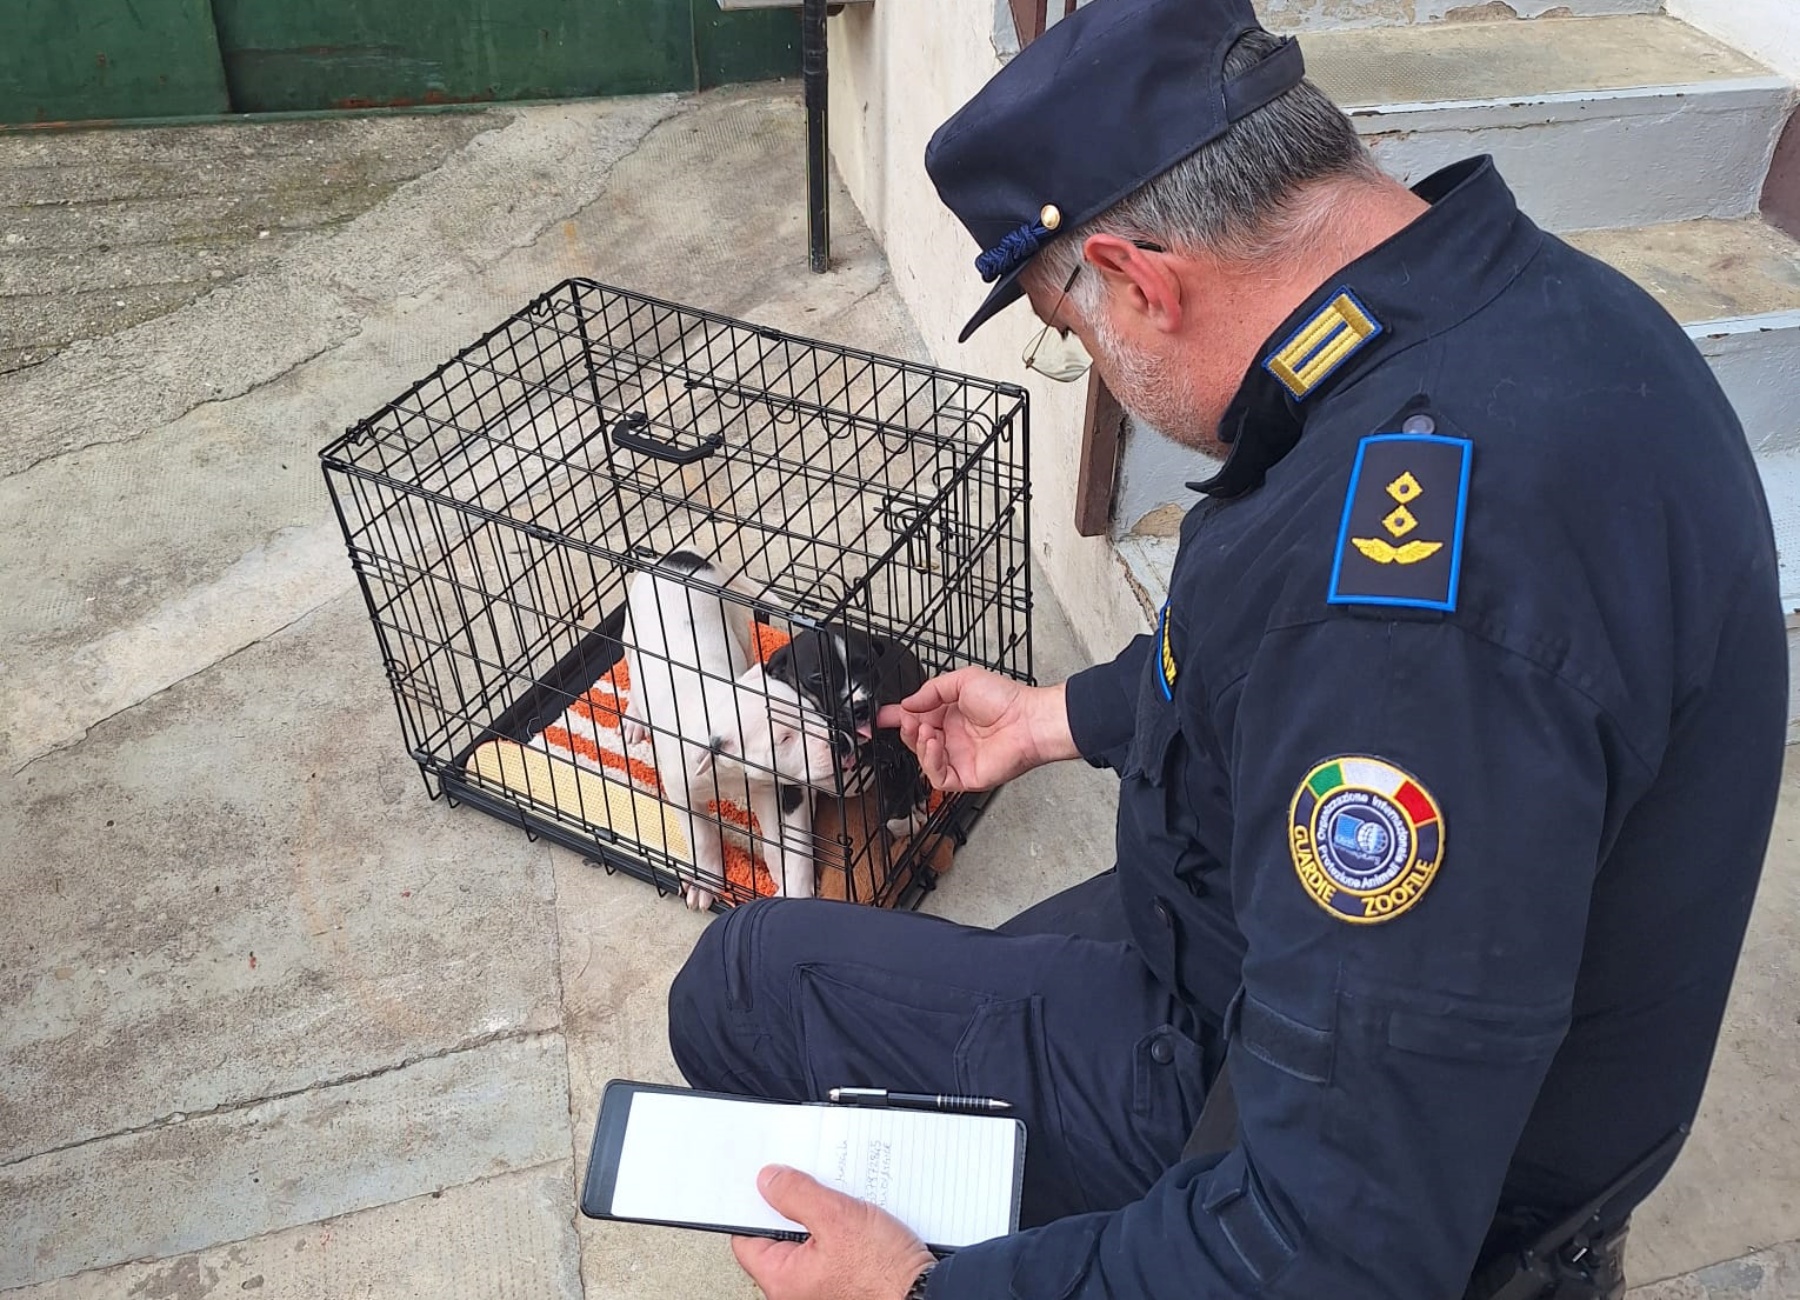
(1366, 838)
(1329, 337)
(1401, 538)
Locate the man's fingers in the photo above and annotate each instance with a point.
(800, 1197)
(889, 715)
(757, 1255)
(938, 691)
(928, 762)
(926, 698)
(934, 762)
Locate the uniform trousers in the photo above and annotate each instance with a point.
(1054, 1012)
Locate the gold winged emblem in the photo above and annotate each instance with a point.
(1382, 553)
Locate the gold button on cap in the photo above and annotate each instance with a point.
(1049, 218)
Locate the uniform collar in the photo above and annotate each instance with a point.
(1421, 281)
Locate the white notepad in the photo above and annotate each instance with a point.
(679, 1157)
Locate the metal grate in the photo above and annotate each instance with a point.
(496, 512)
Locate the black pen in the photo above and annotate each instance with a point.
(918, 1101)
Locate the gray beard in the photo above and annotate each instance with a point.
(1157, 395)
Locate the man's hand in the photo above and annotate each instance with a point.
(855, 1252)
(973, 729)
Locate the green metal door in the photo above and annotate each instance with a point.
(83, 59)
(63, 60)
(357, 54)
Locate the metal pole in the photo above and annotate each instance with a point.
(818, 173)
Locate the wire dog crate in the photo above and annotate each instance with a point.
(499, 512)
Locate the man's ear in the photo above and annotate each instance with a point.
(1141, 281)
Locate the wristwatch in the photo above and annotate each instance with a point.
(917, 1290)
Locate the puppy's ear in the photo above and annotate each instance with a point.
(781, 663)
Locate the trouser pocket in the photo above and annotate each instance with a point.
(865, 1027)
(861, 1026)
(1002, 1054)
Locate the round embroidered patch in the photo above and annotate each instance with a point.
(1365, 837)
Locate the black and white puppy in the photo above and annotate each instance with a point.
(849, 675)
(720, 733)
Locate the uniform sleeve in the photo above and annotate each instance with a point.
(1389, 1039)
(1102, 705)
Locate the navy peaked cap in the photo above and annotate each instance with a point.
(1105, 100)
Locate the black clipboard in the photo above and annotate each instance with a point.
(598, 1187)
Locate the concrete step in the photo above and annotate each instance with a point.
(1630, 120)
(1735, 286)
(1781, 480)
(1327, 15)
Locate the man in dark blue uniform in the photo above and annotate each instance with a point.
(1445, 777)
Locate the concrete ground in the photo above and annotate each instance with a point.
(270, 1020)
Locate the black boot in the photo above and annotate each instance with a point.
(1594, 1270)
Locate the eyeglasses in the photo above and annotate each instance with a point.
(1056, 353)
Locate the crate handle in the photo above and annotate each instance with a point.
(625, 434)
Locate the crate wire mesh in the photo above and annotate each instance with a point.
(496, 513)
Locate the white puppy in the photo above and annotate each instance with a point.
(781, 744)
(684, 650)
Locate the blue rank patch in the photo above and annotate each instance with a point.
(1401, 538)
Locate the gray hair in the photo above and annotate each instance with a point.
(1236, 197)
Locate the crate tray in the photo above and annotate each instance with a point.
(518, 773)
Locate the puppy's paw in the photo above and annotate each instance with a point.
(635, 732)
(903, 828)
(799, 885)
(697, 899)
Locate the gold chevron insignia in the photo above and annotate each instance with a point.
(1380, 552)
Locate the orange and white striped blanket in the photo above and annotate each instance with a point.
(580, 766)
